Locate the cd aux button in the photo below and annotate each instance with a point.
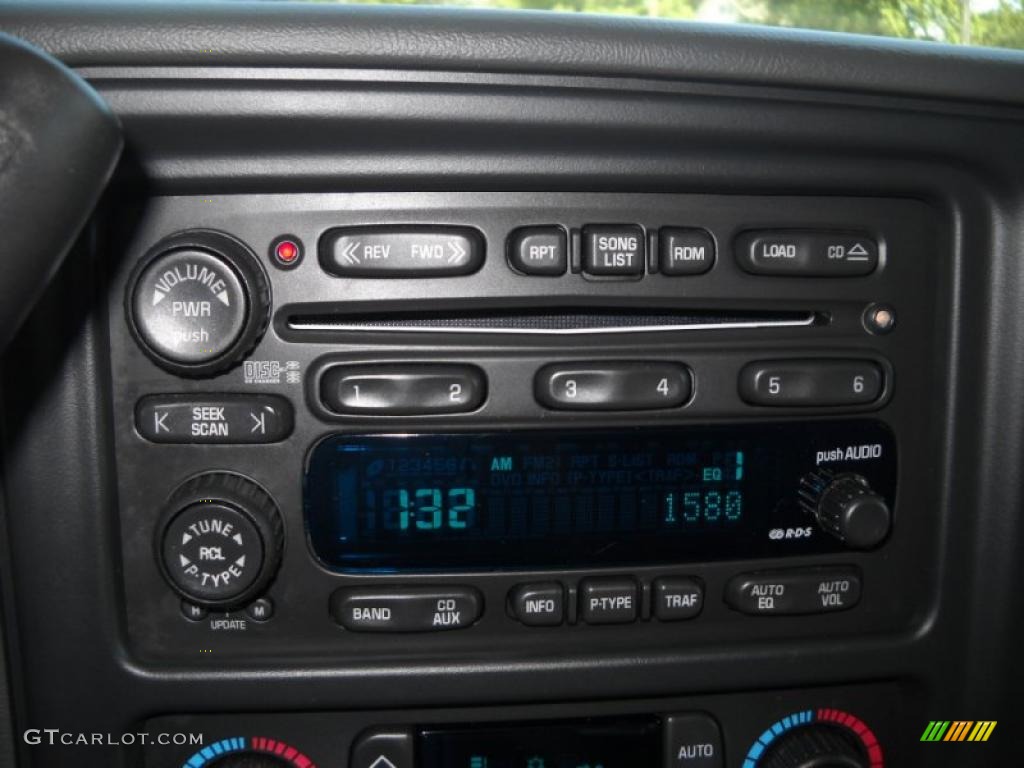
(623, 386)
(406, 609)
(402, 390)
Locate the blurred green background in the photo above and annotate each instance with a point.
(997, 23)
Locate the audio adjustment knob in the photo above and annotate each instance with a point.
(845, 506)
(219, 541)
(198, 303)
(815, 746)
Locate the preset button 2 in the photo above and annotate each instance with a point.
(402, 390)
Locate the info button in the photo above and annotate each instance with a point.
(539, 605)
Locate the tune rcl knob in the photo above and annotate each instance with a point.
(815, 746)
(198, 303)
(219, 541)
(845, 506)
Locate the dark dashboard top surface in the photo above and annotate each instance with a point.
(279, 34)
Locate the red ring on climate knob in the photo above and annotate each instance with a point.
(235, 750)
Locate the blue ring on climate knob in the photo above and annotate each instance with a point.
(776, 729)
(218, 748)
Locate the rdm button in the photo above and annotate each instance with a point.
(406, 609)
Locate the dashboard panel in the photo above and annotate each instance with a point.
(491, 390)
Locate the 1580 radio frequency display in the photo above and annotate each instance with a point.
(515, 500)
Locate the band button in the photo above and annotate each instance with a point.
(406, 609)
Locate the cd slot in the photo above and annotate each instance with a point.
(553, 322)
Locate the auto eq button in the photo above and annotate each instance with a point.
(406, 609)
(214, 419)
(807, 254)
(794, 591)
(401, 251)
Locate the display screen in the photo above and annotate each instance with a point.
(621, 743)
(539, 499)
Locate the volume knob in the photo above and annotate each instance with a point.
(846, 507)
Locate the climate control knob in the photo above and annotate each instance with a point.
(219, 541)
(845, 506)
(816, 746)
(198, 303)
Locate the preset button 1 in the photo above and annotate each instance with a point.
(402, 390)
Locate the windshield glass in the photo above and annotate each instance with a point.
(998, 23)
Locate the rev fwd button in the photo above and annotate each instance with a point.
(406, 609)
(214, 419)
(401, 251)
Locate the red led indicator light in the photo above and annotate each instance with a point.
(286, 251)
